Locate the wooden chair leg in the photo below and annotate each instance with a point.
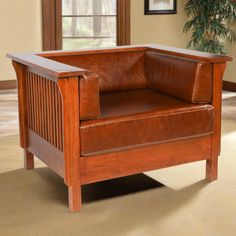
(28, 160)
(74, 198)
(212, 169)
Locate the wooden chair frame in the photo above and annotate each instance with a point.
(48, 96)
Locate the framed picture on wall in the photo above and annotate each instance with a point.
(153, 7)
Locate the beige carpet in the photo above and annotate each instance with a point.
(174, 201)
(35, 202)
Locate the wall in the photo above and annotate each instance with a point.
(230, 73)
(161, 29)
(20, 24)
(167, 30)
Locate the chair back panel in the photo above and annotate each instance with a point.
(117, 71)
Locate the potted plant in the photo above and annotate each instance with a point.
(211, 23)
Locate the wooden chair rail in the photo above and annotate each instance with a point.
(113, 165)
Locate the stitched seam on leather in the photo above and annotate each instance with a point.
(209, 108)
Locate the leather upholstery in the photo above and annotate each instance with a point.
(140, 118)
(89, 97)
(186, 79)
(146, 98)
(117, 71)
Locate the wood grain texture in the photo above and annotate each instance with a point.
(50, 119)
(47, 153)
(22, 108)
(192, 54)
(117, 164)
(44, 105)
(46, 68)
(123, 22)
(52, 24)
(181, 52)
(69, 88)
(28, 160)
(212, 164)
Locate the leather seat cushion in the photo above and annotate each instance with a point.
(140, 118)
(116, 71)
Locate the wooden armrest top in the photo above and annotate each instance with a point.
(186, 53)
(46, 67)
(192, 54)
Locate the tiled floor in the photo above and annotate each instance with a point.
(9, 113)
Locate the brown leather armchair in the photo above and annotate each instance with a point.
(129, 110)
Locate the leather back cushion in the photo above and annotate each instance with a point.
(186, 79)
(116, 71)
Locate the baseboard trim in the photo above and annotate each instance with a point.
(8, 84)
(229, 86)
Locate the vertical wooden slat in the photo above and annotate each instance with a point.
(44, 106)
(27, 98)
(38, 103)
(34, 81)
(60, 121)
(40, 106)
(50, 114)
(56, 118)
(55, 115)
(32, 101)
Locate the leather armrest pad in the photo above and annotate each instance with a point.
(186, 79)
(89, 97)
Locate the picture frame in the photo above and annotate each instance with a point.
(155, 7)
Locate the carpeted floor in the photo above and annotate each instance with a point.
(172, 201)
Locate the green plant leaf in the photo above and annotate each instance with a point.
(211, 24)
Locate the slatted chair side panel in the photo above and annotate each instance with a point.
(44, 108)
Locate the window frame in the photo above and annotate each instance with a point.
(52, 23)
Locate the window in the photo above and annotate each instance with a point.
(74, 24)
(88, 23)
